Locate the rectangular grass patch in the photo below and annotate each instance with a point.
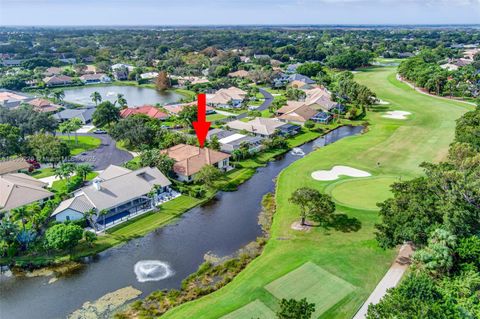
(254, 310)
(314, 283)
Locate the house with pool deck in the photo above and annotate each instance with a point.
(121, 192)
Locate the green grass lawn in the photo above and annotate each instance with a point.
(254, 310)
(61, 184)
(85, 143)
(363, 193)
(43, 172)
(215, 117)
(352, 255)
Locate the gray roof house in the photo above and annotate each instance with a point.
(18, 189)
(121, 192)
(302, 78)
(231, 141)
(85, 115)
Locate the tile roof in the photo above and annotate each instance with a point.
(190, 159)
(149, 110)
(259, 125)
(43, 105)
(296, 112)
(13, 165)
(18, 189)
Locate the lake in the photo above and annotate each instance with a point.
(135, 96)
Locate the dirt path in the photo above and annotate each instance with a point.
(421, 90)
(391, 279)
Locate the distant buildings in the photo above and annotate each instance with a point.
(239, 74)
(189, 160)
(43, 105)
(57, 80)
(95, 78)
(10, 99)
(120, 71)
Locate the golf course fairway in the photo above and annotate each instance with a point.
(343, 261)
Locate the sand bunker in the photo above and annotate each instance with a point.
(397, 115)
(336, 171)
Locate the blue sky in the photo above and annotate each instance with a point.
(200, 12)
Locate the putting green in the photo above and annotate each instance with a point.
(314, 283)
(255, 310)
(362, 193)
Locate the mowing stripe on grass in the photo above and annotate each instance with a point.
(254, 310)
(314, 283)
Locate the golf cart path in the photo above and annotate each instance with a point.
(390, 280)
(420, 90)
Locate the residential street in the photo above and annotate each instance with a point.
(107, 153)
(268, 100)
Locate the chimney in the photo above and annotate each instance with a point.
(96, 185)
(207, 155)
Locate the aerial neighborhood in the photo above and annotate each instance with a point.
(330, 155)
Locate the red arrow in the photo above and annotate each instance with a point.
(201, 126)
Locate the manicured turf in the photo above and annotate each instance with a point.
(345, 251)
(363, 193)
(254, 310)
(43, 172)
(313, 283)
(215, 117)
(85, 143)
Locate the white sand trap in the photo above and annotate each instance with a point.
(397, 115)
(336, 171)
(382, 102)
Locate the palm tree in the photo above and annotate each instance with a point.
(83, 170)
(64, 170)
(96, 97)
(121, 100)
(59, 95)
(22, 214)
(89, 216)
(75, 124)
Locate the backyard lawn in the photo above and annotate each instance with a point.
(339, 267)
(85, 143)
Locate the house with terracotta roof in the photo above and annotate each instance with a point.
(51, 71)
(148, 110)
(189, 160)
(43, 105)
(10, 99)
(57, 80)
(18, 189)
(295, 112)
(227, 98)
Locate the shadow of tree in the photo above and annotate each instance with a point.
(341, 222)
(379, 108)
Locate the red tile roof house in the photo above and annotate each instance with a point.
(189, 160)
(43, 105)
(148, 110)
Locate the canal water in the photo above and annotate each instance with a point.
(221, 227)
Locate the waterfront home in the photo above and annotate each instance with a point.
(295, 112)
(18, 189)
(57, 80)
(266, 127)
(231, 141)
(43, 105)
(189, 160)
(227, 98)
(84, 114)
(120, 71)
(148, 110)
(174, 109)
(118, 191)
(95, 78)
(322, 117)
(148, 75)
(10, 99)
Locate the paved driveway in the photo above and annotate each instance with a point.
(268, 100)
(107, 153)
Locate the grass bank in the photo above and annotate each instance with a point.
(85, 143)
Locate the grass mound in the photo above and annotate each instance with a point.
(256, 309)
(314, 283)
(362, 193)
